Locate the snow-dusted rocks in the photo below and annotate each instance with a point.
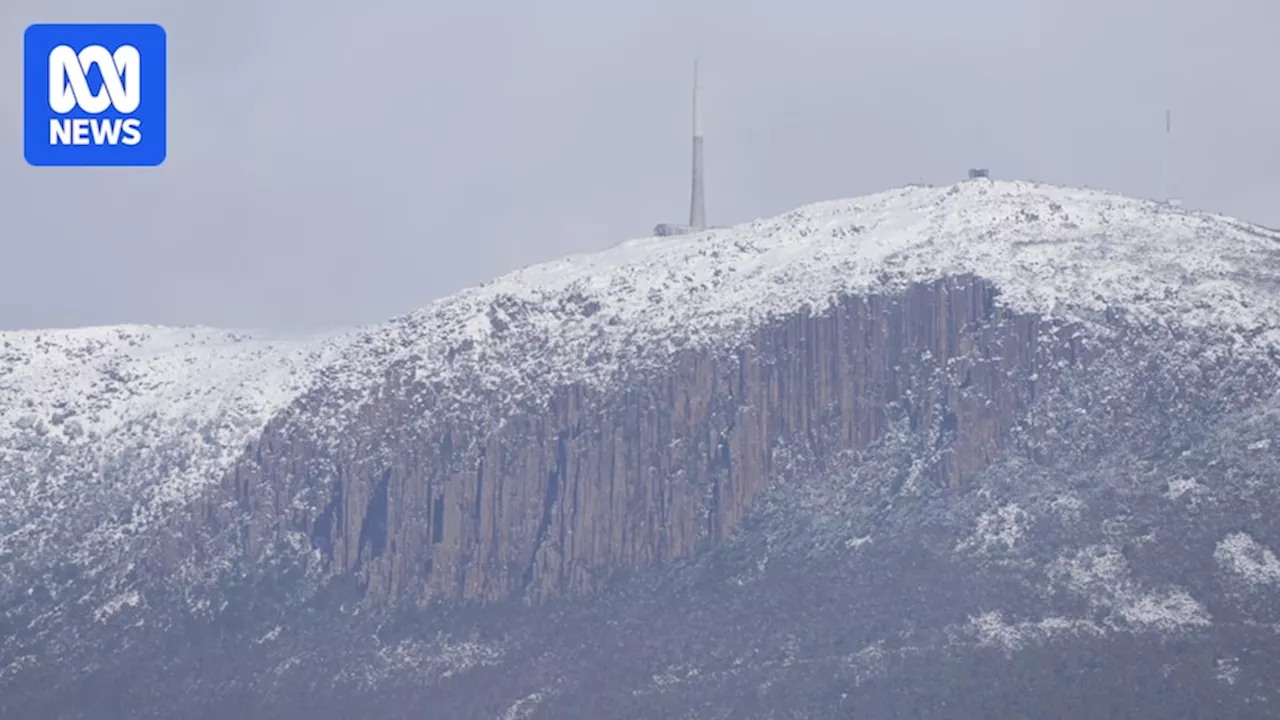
(103, 430)
(1252, 562)
(1068, 253)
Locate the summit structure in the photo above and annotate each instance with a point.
(697, 203)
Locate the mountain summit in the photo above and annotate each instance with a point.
(908, 384)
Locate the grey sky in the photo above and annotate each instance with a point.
(338, 163)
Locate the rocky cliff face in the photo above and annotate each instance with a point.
(554, 500)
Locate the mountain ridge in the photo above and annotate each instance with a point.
(598, 318)
(1054, 407)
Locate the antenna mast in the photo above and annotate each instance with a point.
(1170, 186)
(697, 207)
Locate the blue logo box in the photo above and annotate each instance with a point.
(94, 95)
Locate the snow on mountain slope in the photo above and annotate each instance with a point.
(137, 418)
(103, 430)
(1070, 253)
(85, 413)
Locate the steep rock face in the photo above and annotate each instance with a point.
(550, 502)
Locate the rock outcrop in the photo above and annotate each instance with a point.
(555, 501)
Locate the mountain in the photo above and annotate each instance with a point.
(992, 449)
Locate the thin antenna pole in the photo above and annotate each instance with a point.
(1170, 174)
(697, 205)
(697, 92)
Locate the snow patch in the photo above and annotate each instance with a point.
(421, 661)
(1067, 506)
(1243, 556)
(1170, 610)
(992, 630)
(1101, 575)
(130, 598)
(525, 706)
(269, 636)
(1227, 670)
(675, 675)
(857, 542)
(1178, 487)
(1003, 527)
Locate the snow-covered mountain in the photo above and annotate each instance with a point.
(185, 401)
(624, 410)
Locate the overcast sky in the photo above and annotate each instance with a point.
(334, 163)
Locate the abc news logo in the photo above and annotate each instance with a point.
(94, 94)
(69, 89)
